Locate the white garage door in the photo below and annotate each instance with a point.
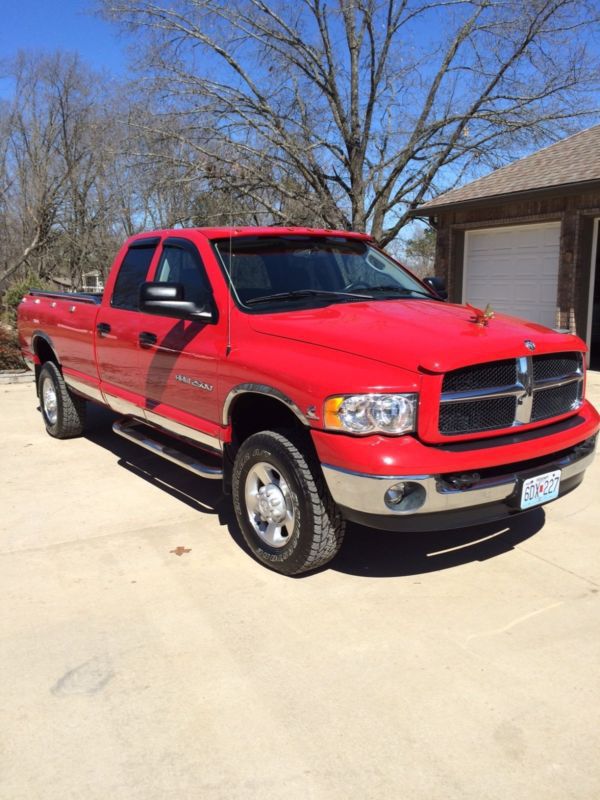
(515, 269)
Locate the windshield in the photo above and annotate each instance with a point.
(273, 271)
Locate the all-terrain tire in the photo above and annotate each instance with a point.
(63, 411)
(318, 526)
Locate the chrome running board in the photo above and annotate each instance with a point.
(129, 428)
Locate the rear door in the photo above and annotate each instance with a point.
(118, 326)
(179, 357)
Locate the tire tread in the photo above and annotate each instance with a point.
(328, 523)
(71, 407)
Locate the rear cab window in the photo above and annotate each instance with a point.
(132, 273)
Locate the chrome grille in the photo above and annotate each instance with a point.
(553, 365)
(486, 415)
(556, 400)
(503, 394)
(481, 376)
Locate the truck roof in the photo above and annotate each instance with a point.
(249, 230)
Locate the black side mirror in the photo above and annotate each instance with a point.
(438, 285)
(168, 300)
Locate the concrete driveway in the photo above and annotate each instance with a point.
(448, 665)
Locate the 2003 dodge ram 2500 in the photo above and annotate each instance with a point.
(319, 380)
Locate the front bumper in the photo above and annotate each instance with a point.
(451, 486)
(452, 499)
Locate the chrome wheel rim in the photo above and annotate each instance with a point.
(49, 401)
(269, 504)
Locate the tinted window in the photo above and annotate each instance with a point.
(132, 274)
(259, 266)
(252, 278)
(178, 265)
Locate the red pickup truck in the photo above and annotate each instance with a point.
(319, 380)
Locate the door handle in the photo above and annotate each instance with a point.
(103, 328)
(147, 339)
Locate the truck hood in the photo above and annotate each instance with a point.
(413, 334)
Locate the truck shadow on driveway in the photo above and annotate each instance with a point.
(382, 554)
(366, 552)
(202, 495)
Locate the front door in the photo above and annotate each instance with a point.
(179, 357)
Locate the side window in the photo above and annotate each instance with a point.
(182, 265)
(131, 275)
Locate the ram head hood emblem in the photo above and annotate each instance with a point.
(480, 317)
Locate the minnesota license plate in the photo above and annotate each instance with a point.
(540, 489)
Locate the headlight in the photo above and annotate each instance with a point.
(372, 413)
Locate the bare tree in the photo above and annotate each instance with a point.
(32, 187)
(361, 109)
(57, 200)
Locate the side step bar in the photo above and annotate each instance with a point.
(129, 428)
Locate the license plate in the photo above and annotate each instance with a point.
(540, 489)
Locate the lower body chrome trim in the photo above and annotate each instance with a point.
(365, 493)
(130, 409)
(183, 430)
(122, 406)
(91, 392)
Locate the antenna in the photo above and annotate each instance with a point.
(229, 270)
(230, 275)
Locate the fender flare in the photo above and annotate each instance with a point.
(38, 334)
(264, 389)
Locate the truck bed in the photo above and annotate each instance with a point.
(67, 321)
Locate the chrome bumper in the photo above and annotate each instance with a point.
(430, 494)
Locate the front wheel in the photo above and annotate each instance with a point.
(63, 412)
(284, 510)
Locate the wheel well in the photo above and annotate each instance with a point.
(43, 350)
(252, 412)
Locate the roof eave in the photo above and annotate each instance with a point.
(506, 197)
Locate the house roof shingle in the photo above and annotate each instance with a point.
(573, 160)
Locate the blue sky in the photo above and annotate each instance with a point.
(72, 25)
(65, 25)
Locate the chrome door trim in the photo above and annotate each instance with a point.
(122, 406)
(164, 423)
(85, 389)
(179, 429)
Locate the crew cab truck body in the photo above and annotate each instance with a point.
(319, 380)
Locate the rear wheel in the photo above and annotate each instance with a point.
(63, 412)
(283, 507)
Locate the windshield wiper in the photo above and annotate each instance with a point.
(403, 291)
(299, 293)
